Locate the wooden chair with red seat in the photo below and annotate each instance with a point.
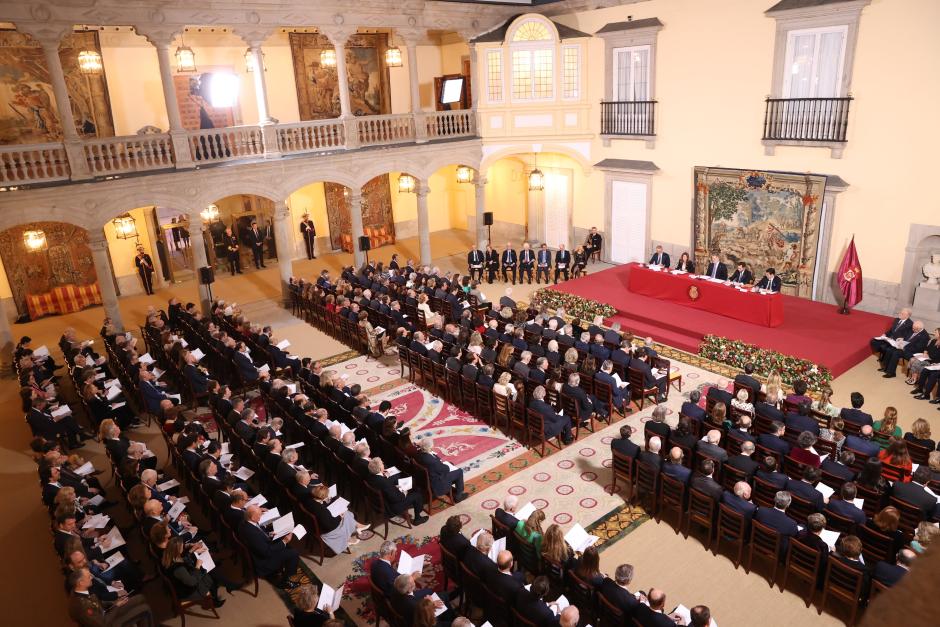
(803, 562)
(845, 584)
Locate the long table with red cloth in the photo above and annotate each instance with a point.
(725, 300)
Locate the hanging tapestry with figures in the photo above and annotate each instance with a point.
(766, 219)
(377, 220)
(66, 260)
(317, 86)
(30, 115)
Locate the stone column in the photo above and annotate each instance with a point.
(338, 36)
(6, 343)
(355, 211)
(424, 228)
(254, 38)
(99, 253)
(421, 131)
(162, 40)
(285, 247)
(197, 243)
(480, 187)
(75, 152)
(474, 87)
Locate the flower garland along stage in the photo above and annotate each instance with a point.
(574, 306)
(791, 369)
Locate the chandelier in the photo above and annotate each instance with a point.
(125, 226)
(210, 214)
(464, 174)
(328, 58)
(35, 240)
(89, 61)
(406, 184)
(393, 57)
(185, 58)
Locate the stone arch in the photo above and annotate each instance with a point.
(521, 149)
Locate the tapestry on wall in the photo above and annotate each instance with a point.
(317, 87)
(193, 99)
(766, 219)
(30, 116)
(377, 221)
(66, 260)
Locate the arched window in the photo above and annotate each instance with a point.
(533, 43)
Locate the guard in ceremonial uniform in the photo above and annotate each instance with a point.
(144, 269)
(526, 262)
(593, 243)
(543, 264)
(475, 261)
(231, 245)
(309, 231)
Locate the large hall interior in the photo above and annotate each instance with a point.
(433, 313)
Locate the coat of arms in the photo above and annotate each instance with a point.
(693, 292)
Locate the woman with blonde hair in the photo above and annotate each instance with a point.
(824, 404)
(920, 434)
(337, 532)
(924, 535)
(306, 613)
(555, 549)
(530, 529)
(773, 388)
(887, 427)
(505, 387)
(505, 357)
(740, 403)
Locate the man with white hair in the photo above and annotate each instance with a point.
(505, 514)
(709, 446)
(744, 460)
(442, 477)
(508, 261)
(900, 328)
(651, 455)
(739, 499)
(270, 557)
(506, 300)
(569, 617)
(916, 343)
(477, 558)
(397, 502)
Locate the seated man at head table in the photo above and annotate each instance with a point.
(770, 282)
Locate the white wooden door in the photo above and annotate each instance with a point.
(627, 221)
(557, 208)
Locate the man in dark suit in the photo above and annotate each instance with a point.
(914, 493)
(506, 513)
(774, 440)
(562, 262)
(256, 237)
(844, 505)
(716, 269)
(703, 481)
(768, 411)
(651, 380)
(768, 472)
(623, 444)
(396, 501)
(477, 557)
(900, 329)
(475, 262)
(770, 282)
(617, 593)
(593, 243)
(543, 263)
(503, 582)
(709, 446)
(691, 408)
(526, 262)
(657, 424)
(509, 260)
(916, 343)
(619, 395)
(650, 456)
(553, 423)
(740, 500)
(674, 468)
(598, 349)
(441, 476)
(586, 403)
(801, 420)
(805, 488)
(890, 574)
(841, 467)
(742, 275)
(854, 414)
(654, 614)
(270, 557)
(776, 518)
(811, 536)
(660, 258)
(246, 369)
(863, 442)
(744, 461)
(746, 378)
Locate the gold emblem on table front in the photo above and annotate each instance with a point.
(693, 292)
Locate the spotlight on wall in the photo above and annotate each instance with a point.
(464, 174)
(223, 89)
(35, 241)
(393, 57)
(89, 61)
(210, 214)
(328, 58)
(406, 184)
(125, 226)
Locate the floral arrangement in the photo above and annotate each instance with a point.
(574, 306)
(791, 369)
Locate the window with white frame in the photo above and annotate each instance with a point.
(815, 59)
(494, 75)
(631, 76)
(571, 73)
(532, 61)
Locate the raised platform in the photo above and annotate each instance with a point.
(811, 330)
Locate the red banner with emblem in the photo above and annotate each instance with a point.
(850, 276)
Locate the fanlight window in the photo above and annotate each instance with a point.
(532, 31)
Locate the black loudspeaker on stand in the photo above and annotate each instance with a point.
(364, 245)
(207, 278)
(488, 223)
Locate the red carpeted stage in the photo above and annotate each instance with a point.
(811, 330)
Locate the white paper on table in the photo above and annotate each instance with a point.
(498, 545)
(264, 368)
(283, 525)
(99, 376)
(825, 490)
(859, 503)
(85, 469)
(579, 539)
(146, 359)
(391, 471)
(167, 485)
(42, 351)
(258, 500)
(525, 511)
(112, 383)
(244, 473)
(176, 510)
(405, 484)
(61, 411)
(208, 564)
(408, 564)
(438, 610)
(332, 492)
(294, 445)
(113, 393)
(560, 604)
(283, 344)
(98, 521)
(291, 388)
(198, 354)
(338, 507)
(268, 516)
(830, 537)
(96, 500)
(113, 561)
(117, 540)
(330, 598)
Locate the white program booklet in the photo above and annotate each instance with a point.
(167, 485)
(258, 500)
(244, 473)
(85, 469)
(198, 354)
(405, 484)
(146, 359)
(525, 511)
(208, 564)
(330, 598)
(268, 516)
(438, 610)
(579, 539)
(830, 537)
(338, 507)
(408, 564)
(283, 344)
(176, 510)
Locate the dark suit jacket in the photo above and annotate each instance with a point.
(268, 554)
(802, 423)
(776, 479)
(915, 494)
(749, 381)
(742, 277)
(625, 446)
(554, 424)
(838, 470)
(722, 271)
(648, 618)
(677, 471)
(768, 410)
(735, 502)
(383, 575)
(772, 284)
(505, 586)
(783, 524)
(245, 367)
(888, 574)
(437, 472)
(857, 443)
(479, 564)
(692, 410)
(768, 440)
(506, 518)
(807, 492)
(660, 259)
(585, 406)
(659, 428)
(650, 458)
(855, 416)
(846, 509)
(743, 463)
(900, 330)
(706, 485)
(535, 609)
(619, 597)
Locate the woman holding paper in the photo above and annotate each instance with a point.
(337, 532)
(555, 549)
(306, 614)
(378, 340)
(190, 574)
(530, 529)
